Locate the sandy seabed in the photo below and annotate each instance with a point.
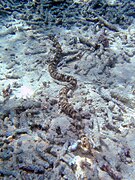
(37, 140)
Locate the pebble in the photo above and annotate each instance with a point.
(13, 76)
(10, 65)
(111, 105)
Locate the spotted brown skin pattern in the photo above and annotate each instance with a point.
(65, 106)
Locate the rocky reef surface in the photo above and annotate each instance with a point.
(37, 140)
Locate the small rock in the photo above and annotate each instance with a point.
(111, 105)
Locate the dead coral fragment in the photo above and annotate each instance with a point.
(114, 174)
(81, 165)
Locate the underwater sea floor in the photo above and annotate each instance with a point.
(37, 140)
